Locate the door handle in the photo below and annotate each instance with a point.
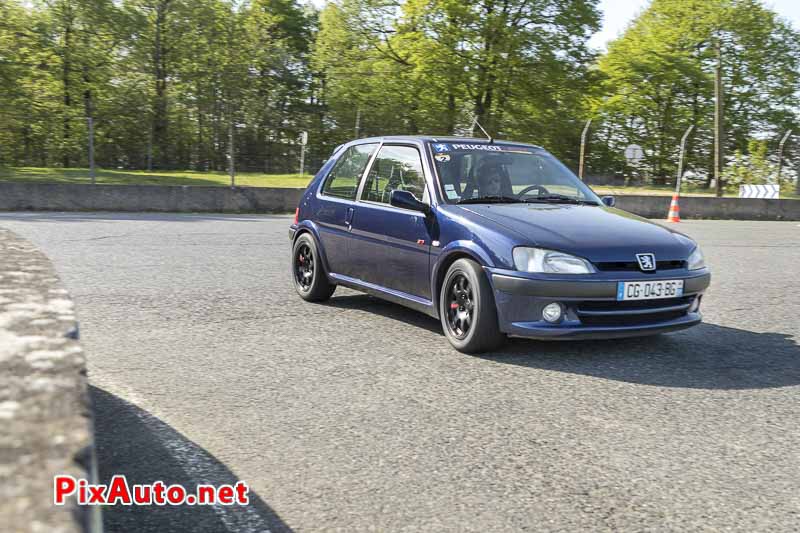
(348, 219)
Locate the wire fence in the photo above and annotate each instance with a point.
(286, 156)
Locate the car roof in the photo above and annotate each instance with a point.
(444, 138)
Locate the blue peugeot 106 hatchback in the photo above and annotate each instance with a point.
(495, 239)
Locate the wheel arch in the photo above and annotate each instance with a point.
(443, 265)
(308, 227)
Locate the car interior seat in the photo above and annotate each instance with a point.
(485, 168)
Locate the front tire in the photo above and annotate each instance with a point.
(310, 280)
(467, 309)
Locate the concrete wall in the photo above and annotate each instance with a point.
(45, 421)
(710, 207)
(192, 199)
(189, 199)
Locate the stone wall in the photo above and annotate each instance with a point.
(16, 196)
(45, 417)
(192, 199)
(710, 207)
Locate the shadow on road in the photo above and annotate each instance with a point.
(370, 304)
(704, 357)
(132, 442)
(707, 356)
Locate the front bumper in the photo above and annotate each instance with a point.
(591, 308)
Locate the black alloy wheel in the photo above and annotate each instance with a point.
(460, 307)
(308, 270)
(467, 309)
(304, 267)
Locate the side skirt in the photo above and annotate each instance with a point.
(390, 295)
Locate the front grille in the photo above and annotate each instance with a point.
(632, 313)
(633, 266)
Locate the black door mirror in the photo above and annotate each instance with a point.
(610, 201)
(406, 200)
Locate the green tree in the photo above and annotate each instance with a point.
(276, 104)
(753, 167)
(431, 65)
(155, 53)
(658, 80)
(23, 76)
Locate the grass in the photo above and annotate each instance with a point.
(142, 177)
(258, 179)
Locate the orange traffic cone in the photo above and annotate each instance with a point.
(674, 214)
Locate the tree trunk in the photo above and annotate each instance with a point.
(66, 66)
(26, 139)
(89, 113)
(216, 143)
(231, 163)
(160, 123)
(202, 163)
(719, 127)
(451, 113)
(149, 155)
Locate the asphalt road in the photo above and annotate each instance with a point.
(357, 415)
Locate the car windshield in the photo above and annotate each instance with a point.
(500, 173)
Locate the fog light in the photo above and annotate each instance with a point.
(695, 305)
(552, 312)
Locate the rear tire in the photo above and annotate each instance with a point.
(310, 279)
(467, 309)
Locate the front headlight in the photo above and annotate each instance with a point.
(696, 260)
(550, 262)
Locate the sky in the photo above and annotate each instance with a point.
(618, 13)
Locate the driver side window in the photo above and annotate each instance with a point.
(395, 168)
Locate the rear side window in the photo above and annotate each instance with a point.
(343, 180)
(395, 168)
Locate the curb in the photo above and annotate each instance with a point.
(45, 411)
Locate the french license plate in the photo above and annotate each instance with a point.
(649, 290)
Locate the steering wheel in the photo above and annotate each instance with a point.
(539, 188)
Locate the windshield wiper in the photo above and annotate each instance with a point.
(491, 199)
(560, 199)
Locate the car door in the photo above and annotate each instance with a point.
(392, 245)
(336, 198)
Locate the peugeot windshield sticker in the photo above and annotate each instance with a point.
(438, 148)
